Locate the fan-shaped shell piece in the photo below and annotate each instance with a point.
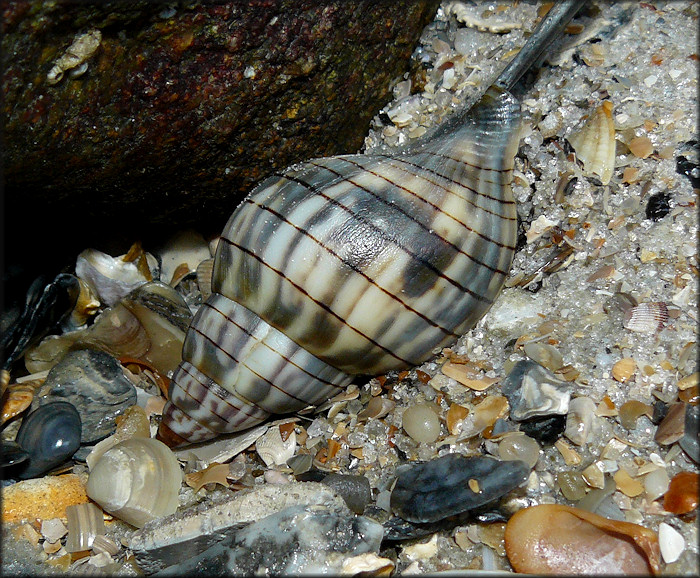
(137, 480)
(273, 449)
(594, 143)
(646, 317)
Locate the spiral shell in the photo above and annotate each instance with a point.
(349, 265)
(137, 480)
(354, 265)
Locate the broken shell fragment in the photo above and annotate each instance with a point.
(19, 397)
(683, 493)
(83, 47)
(624, 369)
(544, 354)
(273, 450)
(557, 539)
(579, 420)
(86, 307)
(594, 143)
(646, 317)
(533, 391)
(110, 278)
(377, 408)
(631, 410)
(137, 480)
(672, 428)
(205, 271)
(149, 324)
(85, 522)
(671, 542)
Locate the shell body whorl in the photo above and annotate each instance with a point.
(356, 264)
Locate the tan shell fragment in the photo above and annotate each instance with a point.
(18, 398)
(595, 145)
(624, 369)
(83, 47)
(557, 539)
(464, 375)
(213, 474)
(205, 270)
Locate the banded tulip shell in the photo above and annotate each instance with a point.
(353, 265)
(350, 265)
(137, 480)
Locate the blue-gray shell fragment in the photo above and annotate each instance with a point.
(93, 381)
(50, 435)
(440, 488)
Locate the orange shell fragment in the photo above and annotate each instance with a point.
(558, 539)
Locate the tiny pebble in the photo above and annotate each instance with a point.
(519, 447)
(421, 422)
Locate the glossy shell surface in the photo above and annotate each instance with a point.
(137, 480)
(349, 265)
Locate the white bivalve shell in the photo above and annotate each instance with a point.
(137, 480)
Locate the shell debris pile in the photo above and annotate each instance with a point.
(582, 376)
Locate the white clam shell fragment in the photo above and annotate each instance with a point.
(273, 450)
(671, 543)
(137, 480)
(594, 143)
(646, 317)
(111, 278)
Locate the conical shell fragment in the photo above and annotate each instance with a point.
(594, 143)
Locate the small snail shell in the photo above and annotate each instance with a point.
(137, 480)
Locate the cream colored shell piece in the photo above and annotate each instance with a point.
(594, 143)
(137, 480)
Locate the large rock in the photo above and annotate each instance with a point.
(184, 105)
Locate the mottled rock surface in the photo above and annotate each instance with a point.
(186, 533)
(298, 540)
(184, 106)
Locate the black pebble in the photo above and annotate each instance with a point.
(658, 206)
(355, 490)
(659, 413)
(545, 430)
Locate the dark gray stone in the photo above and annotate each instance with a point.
(355, 490)
(437, 489)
